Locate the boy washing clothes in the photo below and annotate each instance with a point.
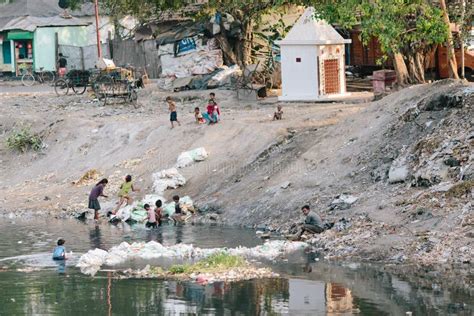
(173, 111)
(59, 252)
(178, 216)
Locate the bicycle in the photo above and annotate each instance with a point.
(29, 78)
(77, 80)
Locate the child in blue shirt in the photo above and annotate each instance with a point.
(59, 252)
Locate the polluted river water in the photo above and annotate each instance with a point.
(31, 283)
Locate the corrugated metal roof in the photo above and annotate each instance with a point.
(20, 12)
(30, 23)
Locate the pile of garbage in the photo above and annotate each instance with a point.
(171, 178)
(162, 181)
(345, 239)
(232, 275)
(189, 157)
(93, 260)
(136, 212)
(167, 179)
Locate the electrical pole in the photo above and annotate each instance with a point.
(463, 74)
(99, 48)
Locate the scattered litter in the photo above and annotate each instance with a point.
(189, 157)
(343, 202)
(167, 179)
(285, 185)
(91, 176)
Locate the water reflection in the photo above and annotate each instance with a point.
(95, 237)
(105, 295)
(309, 287)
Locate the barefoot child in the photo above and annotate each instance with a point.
(151, 223)
(124, 193)
(59, 252)
(158, 211)
(178, 212)
(213, 109)
(198, 116)
(97, 191)
(173, 112)
(278, 115)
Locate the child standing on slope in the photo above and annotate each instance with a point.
(173, 111)
(213, 109)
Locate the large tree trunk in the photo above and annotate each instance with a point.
(453, 67)
(416, 69)
(400, 69)
(229, 56)
(244, 46)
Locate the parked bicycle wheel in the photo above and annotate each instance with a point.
(61, 87)
(48, 77)
(79, 89)
(28, 79)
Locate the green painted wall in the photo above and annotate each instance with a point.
(43, 43)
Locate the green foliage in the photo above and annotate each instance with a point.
(215, 263)
(23, 140)
(178, 269)
(399, 25)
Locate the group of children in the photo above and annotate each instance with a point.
(154, 216)
(211, 116)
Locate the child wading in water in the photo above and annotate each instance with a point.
(178, 212)
(158, 211)
(173, 112)
(124, 193)
(59, 252)
(97, 191)
(151, 223)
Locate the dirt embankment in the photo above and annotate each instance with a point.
(399, 170)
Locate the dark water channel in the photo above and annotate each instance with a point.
(32, 284)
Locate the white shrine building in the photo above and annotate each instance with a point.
(312, 61)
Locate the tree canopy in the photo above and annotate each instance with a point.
(405, 29)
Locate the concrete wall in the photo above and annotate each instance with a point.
(335, 52)
(44, 43)
(5, 46)
(105, 26)
(299, 79)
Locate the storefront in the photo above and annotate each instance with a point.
(22, 55)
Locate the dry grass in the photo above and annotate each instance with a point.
(460, 189)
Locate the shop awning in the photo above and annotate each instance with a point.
(19, 35)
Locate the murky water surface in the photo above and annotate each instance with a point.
(32, 284)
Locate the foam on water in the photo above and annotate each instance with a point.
(39, 260)
(92, 261)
